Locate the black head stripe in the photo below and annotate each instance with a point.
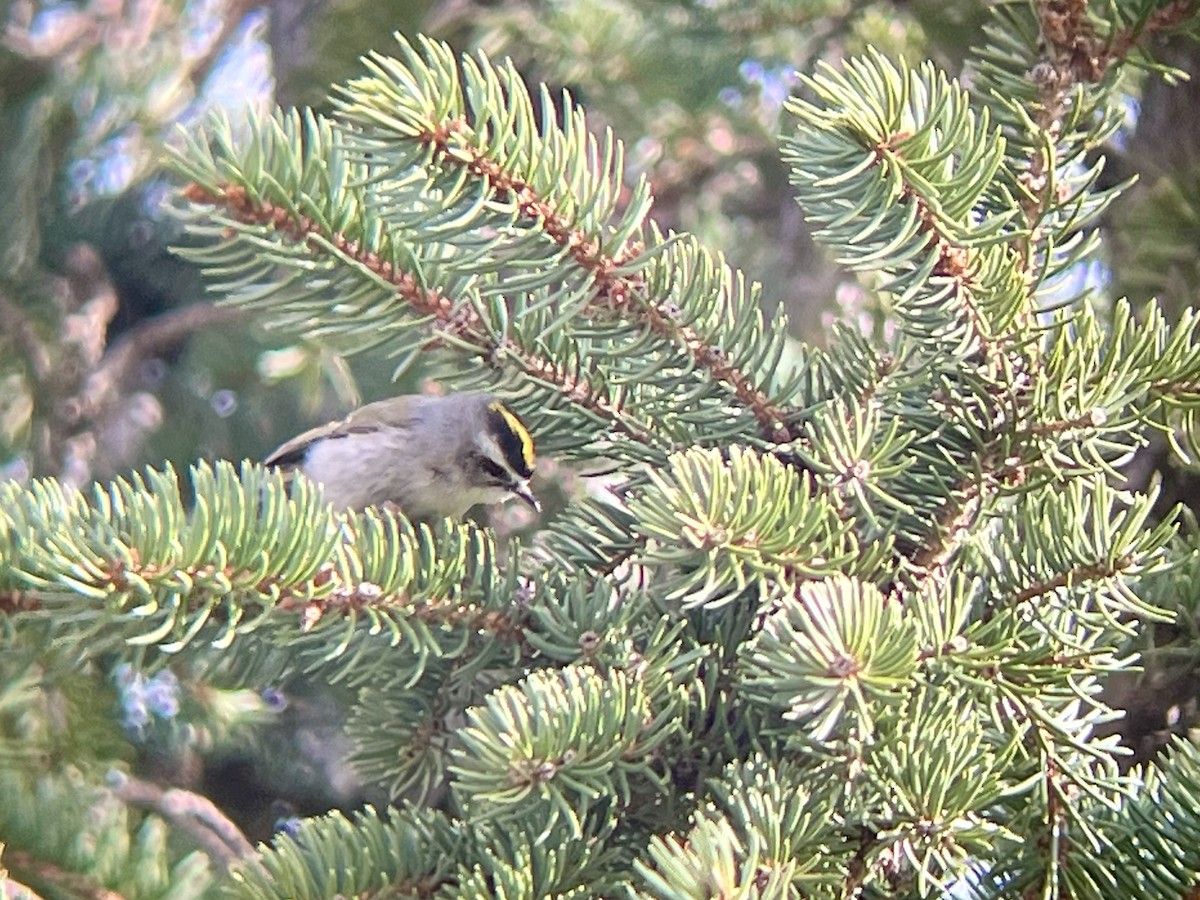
(514, 440)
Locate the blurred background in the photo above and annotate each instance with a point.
(112, 358)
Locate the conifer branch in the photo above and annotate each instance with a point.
(454, 322)
(951, 526)
(1067, 59)
(1057, 813)
(728, 600)
(1099, 571)
(624, 295)
(1167, 18)
(954, 260)
(1092, 419)
(1072, 54)
(206, 582)
(348, 600)
(340, 598)
(1170, 387)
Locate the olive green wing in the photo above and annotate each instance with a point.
(395, 412)
(291, 455)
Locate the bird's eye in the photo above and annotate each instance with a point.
(492, 468)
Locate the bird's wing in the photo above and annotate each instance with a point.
(291, 454)
(393, 413)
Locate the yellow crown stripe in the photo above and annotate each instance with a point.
(520, 431)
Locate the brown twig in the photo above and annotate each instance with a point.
(150, 336)
(230, 21)
(191, 813)
(14, 601)
(1092, 572)
(17, 326)
(348, 599)
(73, 884)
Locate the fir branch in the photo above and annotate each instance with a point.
(953, 524)
(1154, 829)
(1002, 463)
(1099, 571)
(1189, 388)
(613, 292)
(351, 599)
(1058, 808)
(874, 135)
(249, 553)
(953, 259)
(1088, 421)
(716, 527)
(1072, 54)
(396, 853)
(1087, 533)
(479, 145)
(1167, 18)
(1067, 59)
(339, 598)
(454, 323)
(551, 744)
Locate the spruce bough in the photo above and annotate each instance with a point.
(841, 625)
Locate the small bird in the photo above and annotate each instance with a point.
(430, 456)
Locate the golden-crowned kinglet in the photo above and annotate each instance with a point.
(430, 456)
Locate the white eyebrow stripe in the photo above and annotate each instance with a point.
(496, 455)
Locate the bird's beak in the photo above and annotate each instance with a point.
(521, 489)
